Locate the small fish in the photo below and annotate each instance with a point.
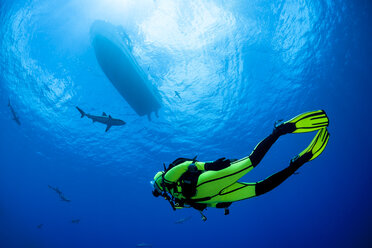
(40, 226)
(77, 221)
(143, 245)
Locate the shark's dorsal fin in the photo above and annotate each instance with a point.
(104, 114)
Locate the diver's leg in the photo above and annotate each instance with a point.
(235, 192)
(315, 148)
(241, 191)
(263, 147)
(223, 183)
(212, 182)
(276, 179)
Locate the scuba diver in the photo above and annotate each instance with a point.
(190, 183)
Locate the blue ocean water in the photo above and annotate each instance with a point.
(239, 66)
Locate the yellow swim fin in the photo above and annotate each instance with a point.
(315, 148)
(303, 123)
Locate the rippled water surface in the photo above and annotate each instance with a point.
(238, 66)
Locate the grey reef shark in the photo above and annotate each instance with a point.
(59, 192)
(104, 119)
(15, 117)
(183, 220)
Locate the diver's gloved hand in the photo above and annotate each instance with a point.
(217, 165)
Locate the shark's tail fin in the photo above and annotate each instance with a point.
(81, 111)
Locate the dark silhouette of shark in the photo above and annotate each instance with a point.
(183, 220)
(55, 189)
(104, 119)
(15, 117)
(176, 93)
(63, 198)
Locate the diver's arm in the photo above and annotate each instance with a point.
(217, 165)
(176, 172)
